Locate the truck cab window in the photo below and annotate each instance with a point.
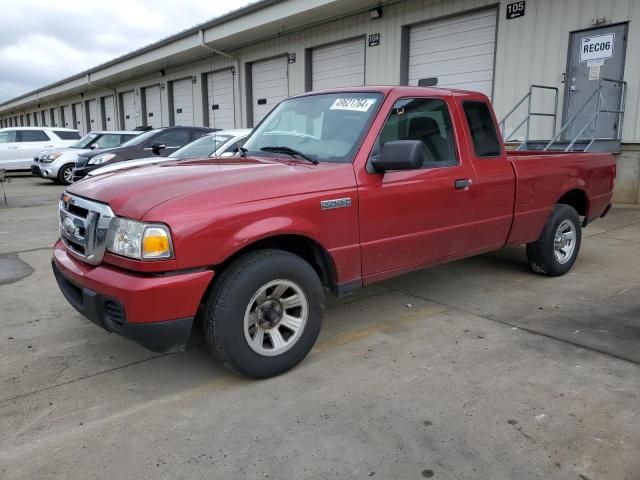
(424, 119)
(482, 129)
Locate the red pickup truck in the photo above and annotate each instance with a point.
(332, 191)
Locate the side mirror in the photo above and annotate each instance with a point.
(95, 146)
(156, 147)
(399, 155)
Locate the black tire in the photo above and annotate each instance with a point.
(60, 179)
(230, 296)
(541, 253)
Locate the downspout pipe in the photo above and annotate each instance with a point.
(115, 99)
(236, 77)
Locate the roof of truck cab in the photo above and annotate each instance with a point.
(400, 90)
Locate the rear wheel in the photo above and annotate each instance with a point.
(264, 313)
(555, 252)
(65, 174)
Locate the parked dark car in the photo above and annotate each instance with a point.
(160, 141)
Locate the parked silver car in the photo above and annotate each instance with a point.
(57, 164)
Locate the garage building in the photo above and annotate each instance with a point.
(232, 70)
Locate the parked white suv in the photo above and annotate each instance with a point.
(18, 145)
(57, 164)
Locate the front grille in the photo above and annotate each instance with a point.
(84, 225)
(81, 161)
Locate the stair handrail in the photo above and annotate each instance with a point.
(596, 116)
(527, 118)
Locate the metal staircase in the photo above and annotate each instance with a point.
(572, 137)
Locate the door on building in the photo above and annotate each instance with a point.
(92, 115)
(128, 106)
(46, 121)
(338, 65)
(182, 92)
(66, 119)
(594, 55)
(109, 112)
(269, 86)
(78, 118)
(220, 99)
(458, 51)
(153, 106)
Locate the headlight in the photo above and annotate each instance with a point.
(51, 157)
(143, 241)
(98, 159)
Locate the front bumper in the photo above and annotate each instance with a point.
(156, 311)
(45, 170)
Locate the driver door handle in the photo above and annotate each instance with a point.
(462, 183)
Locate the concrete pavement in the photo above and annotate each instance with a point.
(477, 369)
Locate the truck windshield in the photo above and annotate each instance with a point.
(325, 127)
(203, 147)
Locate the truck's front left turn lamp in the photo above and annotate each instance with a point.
(155, 243)
(139, 240)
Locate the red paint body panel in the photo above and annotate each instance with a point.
(397, 222)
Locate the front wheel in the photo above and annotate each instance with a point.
(556, 250)
(264, 313)
(65, 174)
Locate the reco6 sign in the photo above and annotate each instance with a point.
(594, 48)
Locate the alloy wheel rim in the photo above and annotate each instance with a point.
(564, 241)
(276, 317)
(68, 175)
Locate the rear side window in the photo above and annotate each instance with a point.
(174, 138)
(8, 136)
(34, 136)
(482, 128)
(67, 135)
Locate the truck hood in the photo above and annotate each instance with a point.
(216, 181)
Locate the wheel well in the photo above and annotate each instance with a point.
(577, 199)
(299, 245)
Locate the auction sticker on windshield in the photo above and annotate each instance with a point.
(353, 104)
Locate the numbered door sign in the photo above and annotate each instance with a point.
(515, 10)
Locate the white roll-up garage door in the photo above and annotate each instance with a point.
(338, 65)
(94, 119)
(220, 99)
(128, 107)
(153, 106)
(67, 121)
(183, 102)
(458, 51)
(78, 116)
(109, 113)
(269, 86)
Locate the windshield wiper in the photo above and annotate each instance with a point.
(289, 151)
